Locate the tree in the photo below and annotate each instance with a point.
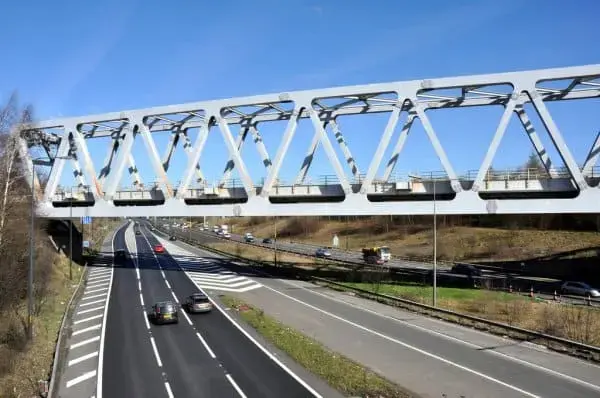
(534, 164)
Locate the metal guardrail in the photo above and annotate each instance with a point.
(560, 344)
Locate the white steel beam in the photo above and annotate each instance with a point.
(116, 173)
(159, 170)
(592, 157)
(345, 150)
(308, 158)
(260, 145)
(239, 142)
(187, 147)
(234, 154)
(389, 168)
(58, 167)
(193, 159)
(534, 138)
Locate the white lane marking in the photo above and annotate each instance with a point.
(83, 358)
(448, 337)
(235, 386)
(142, 299)
(85, 330)
(174, 297)
(167, 282)
(99, 385)
(168, 388)
(92, 296)
(84, 342)
(137, 270)
(158, 361)
(146, 319)
(81, 378)
(95, 285)
(100, 273)
(96, 290)
(95, 278)
(205, 344)
(226, 289)
(406, 345)
(90, 310)
(140, 285)
(93, 302)
(161, 271)
(87, 319)
(225, 284)
(98, 280)
(187, 318)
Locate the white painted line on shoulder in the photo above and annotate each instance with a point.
(410, 347)
(99, 280)
(167, 282)
(92, 296)
(89, 318)
(99, 276)
(88, 329)
(187, 317)
(137, 271)
(140, 286)
(161, 271)
(168, 388)
(205, 344)
(142, 299)
(90, 310)
(158, 361)
(84, 342)
(235, 386)
(93, 302)
(83, 358)
(146, 319)
(96, 285)
(100, 272)
(79, 379)
(96, 290)
(175, 297)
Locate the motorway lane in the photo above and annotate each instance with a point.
(255, 373)
(505, 368)
(130, 369)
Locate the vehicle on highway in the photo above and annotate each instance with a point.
(226, 235)
(215, 229)
(120, 257)
(323, 252)
(164, 312)
(197, 302)
(466, 269)
(579, 288)
(249, 237)
(376, 255)
(267, 241)
(172, 238)
(138, 232)
(159, 249)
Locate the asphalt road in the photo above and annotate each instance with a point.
(426, 355)
(202, 355)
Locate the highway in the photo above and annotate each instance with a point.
(428, 356)
(202, 355)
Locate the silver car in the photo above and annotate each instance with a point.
(197, 302)
(579, 288)
(321, 252)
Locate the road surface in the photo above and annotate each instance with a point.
(204, 355)
(427, 356)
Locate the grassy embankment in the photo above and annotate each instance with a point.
(22, 364)
(341, 373)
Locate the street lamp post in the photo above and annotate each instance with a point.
(71, 235)
(434, 247)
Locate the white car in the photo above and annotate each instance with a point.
(226, 235)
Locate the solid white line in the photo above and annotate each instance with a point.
(137, 270)
(161, 271)
(103, 332)
(93, 302)
(142, 299)
(168, 388)
(452, 338)
(93, 296)
(175, 297)
(146, 319)
(234, 384)
(87, 319)
(100, 273)
(90, 310)
(96, 290)
(158, 361)
(84, 342)
(167, 282)
(210, 352)
(187, 318)
(140, 286)
(81, 378)
(410, 347)
(83, 358)
(85, 330)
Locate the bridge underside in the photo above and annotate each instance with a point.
(572, 188)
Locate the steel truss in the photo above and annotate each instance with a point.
(67, 138)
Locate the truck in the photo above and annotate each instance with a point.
(376, 255)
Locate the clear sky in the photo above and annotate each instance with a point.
(72, 58)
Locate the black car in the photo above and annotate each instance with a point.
(267, 241)
(138, 232)
(164, 312)
(197, 302)
(120, 256)
(466, 269)
(172, 237)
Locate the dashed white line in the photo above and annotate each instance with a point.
(92, 296)
(210, 352)
(79, 379)
(175, 297)
(187, 318)
(161, 271)
(93, 302)
(87, 319)
(158, 361)
(84, 342)
(235, 386)
(167, 282)
(140, 286)
(168, 388)
(142, 299)
(137, 271)
(90, 310)
(88, 329)
(83, 358)
(146, 319)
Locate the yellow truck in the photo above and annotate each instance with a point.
(376, 255)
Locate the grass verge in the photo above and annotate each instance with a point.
(341, 373)
(33, 363)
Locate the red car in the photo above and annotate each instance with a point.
(159, 249)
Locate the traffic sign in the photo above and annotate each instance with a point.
(336, 241)
(86, 220)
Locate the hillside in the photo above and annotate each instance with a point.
(518, 239)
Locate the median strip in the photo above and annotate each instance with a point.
(341, 373)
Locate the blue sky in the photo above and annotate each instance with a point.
(71, 58)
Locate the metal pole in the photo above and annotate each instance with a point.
(31, 257)
(275, 224)
(71, 236)
(434, 247)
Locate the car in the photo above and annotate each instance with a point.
(466, 269)
(579, 288)
(197, 302)
(138, 232)
(267, 241)
(322, 252)
(172, 237)
(226, 235)
(159, 249)
(164, 312)
(120, 254)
